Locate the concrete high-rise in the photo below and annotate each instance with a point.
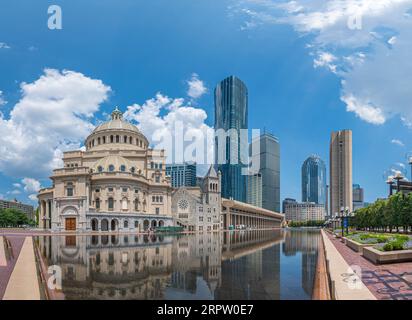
(340, 171)
(314, 180)
(231, 152)
(254, 189)
(268, 156)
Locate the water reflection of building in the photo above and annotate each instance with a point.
(230, 265)
(306, 243)
(110, 267)
(251, 265)
(196, 257)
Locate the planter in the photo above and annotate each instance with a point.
(357, 246)
(382, 257)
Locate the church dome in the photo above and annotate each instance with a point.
(113, 163)
(117, 123)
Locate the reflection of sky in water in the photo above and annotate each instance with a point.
(246, 265)
(202, 292)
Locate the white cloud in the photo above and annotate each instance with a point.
(17, 185)
(14, 192)
(33, 197)
(364, 110)
(31, 185)
(398, 142)
(196, 87)
(371, 41)
(2, 100)
(52, 116)
(4, 45)
(166, 121)
(325, 59)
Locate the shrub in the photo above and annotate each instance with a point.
(394, 245)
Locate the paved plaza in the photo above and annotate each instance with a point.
(386, 282)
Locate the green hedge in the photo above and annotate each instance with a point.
(311, 223)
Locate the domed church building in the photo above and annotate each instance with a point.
(117, 184)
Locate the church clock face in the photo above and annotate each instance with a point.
(183, 204)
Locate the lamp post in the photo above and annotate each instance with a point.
(344, 220)
(398, 177)
(410, 163)
(390, 184)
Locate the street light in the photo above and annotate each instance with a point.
(390, 183)
(409, 158)
(344, 219)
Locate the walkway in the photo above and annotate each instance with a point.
(18, 274)
(346, 284)
(387, 282)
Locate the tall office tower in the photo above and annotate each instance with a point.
(314, 180)
(231, 152)
(340, 171)
(254, 189)
(358, 197)
(182, 174)
(267, 155)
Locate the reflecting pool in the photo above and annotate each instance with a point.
(268, 264)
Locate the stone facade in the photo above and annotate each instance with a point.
(199, 208)
(117, 183)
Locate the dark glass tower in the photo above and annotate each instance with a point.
(231, 114)
(314, 180)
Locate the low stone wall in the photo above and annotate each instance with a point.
(382, 257)
(356, 246)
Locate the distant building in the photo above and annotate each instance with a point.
(287, 201)
(25, 208)
(303, 212)
(358, 197)
(182, 174)
(340, 171)
(254, 190)
(199, 208)
(231, 116)
(268, 157)
(314, 180)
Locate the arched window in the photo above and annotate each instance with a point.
(97, 204)
(111, 139)
(136, 204)
(132, 169)
(126, 224)
(111, 168)
(111, 203)
(124, 204)
(117, 139)
(122, 168)
(100, 168)
(104, 139)
(124, 139)
(98, 140)
(130, 140)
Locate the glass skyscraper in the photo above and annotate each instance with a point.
(314, 180)
(182, 174)
(231, 115)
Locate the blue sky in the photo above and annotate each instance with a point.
(141, 48)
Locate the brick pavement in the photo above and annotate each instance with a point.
(386, 282)
(16, 244)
